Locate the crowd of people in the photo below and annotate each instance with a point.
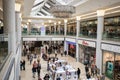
(34, 59)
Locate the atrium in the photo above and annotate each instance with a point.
(53, 39)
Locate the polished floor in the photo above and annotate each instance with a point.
(27, 74)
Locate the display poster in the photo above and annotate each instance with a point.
(42, 30)
(109, 69)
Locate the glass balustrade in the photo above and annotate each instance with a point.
(88, 29)
(3, 50)
(112, 29)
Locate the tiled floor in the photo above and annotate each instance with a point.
(27, 74)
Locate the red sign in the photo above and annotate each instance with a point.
(85, 43)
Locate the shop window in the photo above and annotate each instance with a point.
(111, 65)
(112, 28)
(87, 55)
(72, 50)
(71, 28)
(88, 29)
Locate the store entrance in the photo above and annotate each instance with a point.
(87, 55)
(72, 50)
(111, 65)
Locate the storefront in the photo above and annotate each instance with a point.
(71, 47)
(87, 52)
(111, 61)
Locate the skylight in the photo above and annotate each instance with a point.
(64, 2)
(37, 1)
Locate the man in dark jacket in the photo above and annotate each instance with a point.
(78, 72)
(38, 69)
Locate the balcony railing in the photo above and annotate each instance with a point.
(3, 49)
(71, 33)
(46, 33)
(114, 36)
(86, 35)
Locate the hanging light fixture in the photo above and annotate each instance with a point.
(62, 11)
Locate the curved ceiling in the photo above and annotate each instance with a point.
(42, 7)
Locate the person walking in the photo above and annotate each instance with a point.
(78, 72)
(46, 77)
(31, 58)
(96, 70)
(103, 76)
(88, 75)
(92, 71)
(23, 64)
(86, 69)
(34, 68)
(65, 53)
(38, 59)
(38, 69)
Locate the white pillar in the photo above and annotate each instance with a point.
(9, 23)
(18, 27)
(19, 43)
(50, 29)
(77, 35)
(100, 26)
(65, 27)
(65, 32)
(54, 28)
(59, 27)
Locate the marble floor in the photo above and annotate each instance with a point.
(27, 74)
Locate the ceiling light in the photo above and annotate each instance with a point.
(42, 23)
(59, 22)
(62, 11)
(49, 21)
(29, 20)
(65, 20)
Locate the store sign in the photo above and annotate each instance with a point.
(113, 48)
(86, 43)
(70, 40)
(57, 39)
(43, 39)
(29, 39)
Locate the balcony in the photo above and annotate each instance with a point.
(3, 50)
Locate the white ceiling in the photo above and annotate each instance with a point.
(82, 7)
(93, 5)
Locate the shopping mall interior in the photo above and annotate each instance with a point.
(59, 39)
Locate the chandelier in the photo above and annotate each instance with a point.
(62, 11)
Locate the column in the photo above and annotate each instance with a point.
(77, 35)
(65, 32)
(19, 43)
(59, 27)
(29, 28)
(55, 28)
(9, 24)
(18, 27)
(65, 27)
(50, 29)
(100, 25)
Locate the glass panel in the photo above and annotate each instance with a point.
(112, 29)
(108, 64)
(71, 28)
(88, 29)
(117, 67)
(3, 49)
